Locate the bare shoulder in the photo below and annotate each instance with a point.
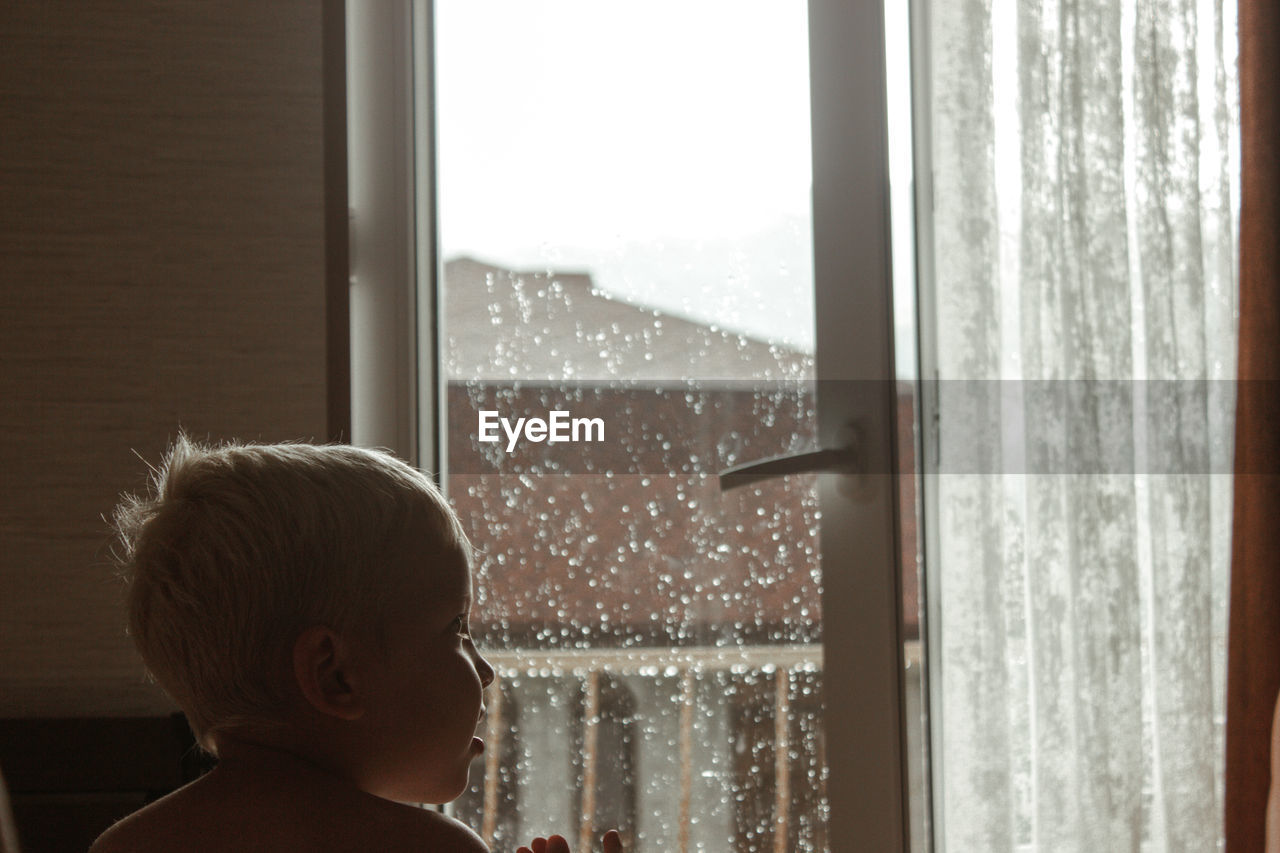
(233, 814)
(156, 827)
(414, 830)
(133, 834)
(114, 840)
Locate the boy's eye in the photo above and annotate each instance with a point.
(460, 626)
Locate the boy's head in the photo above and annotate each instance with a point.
(239, 549)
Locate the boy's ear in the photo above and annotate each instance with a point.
(322, 666)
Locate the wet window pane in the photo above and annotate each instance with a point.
(625, 228)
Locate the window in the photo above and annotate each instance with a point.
(612, 249)
(742, 669)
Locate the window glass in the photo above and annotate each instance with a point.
(626, 239)
(624, 218)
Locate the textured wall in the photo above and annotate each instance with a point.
(161, 264)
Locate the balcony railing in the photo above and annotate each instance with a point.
(686, 664)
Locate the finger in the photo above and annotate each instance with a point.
(612, 842)
(557, 844)
(523, 850)
(539, 845)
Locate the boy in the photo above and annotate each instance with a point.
(307, 607)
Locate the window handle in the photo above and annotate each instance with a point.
(847, 460)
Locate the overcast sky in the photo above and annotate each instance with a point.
(664, 147)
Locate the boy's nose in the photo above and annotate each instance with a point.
(484, 669)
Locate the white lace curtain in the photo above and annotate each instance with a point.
(1085, 192)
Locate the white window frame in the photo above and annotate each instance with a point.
(396, 395)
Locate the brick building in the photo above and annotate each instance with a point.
(621, 568)
(638, 520)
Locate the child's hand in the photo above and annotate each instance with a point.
(557, 844)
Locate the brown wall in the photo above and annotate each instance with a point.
(162, 252)
(557, 535)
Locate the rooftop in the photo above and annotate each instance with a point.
(507, 325)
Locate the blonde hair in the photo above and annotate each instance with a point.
(240, 547)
